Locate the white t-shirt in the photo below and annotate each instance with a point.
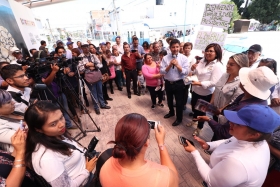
(234, 163)
(7, 130)
(50, 165)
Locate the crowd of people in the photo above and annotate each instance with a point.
(38, 150)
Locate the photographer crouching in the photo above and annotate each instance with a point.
(90, 67)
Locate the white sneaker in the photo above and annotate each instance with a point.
(191, 123)
(157, 88)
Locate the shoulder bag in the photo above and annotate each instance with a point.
(93, 76)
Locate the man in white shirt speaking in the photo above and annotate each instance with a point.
(174, 67)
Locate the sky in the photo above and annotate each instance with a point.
(74, 15)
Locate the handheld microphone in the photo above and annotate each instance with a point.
(174, 56)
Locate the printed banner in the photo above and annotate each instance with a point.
(26, 22)
(217, 15)
(204, 38)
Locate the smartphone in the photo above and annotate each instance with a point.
(21, 126)
(133, 51)
(182, 140)
(153, 123)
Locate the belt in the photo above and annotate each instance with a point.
(130, 70)
(174, 82)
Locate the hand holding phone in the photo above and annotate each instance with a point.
(182, 141)
(133, 50)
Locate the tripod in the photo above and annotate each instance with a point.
(80, 102)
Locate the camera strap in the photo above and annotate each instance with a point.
(17, 97)
(71, 146)
(39, 53)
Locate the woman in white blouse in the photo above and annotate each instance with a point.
(227, 88)
(208, 71)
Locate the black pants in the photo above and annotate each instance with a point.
(118, 78)
(131, 74)
(105, 91)
(195, 97)
(175, 89)
(154, 94)
(186, 94)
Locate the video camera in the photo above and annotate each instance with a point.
(43, 65)
(91, 152)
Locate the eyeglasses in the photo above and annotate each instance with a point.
(209, 51)
(21, 76)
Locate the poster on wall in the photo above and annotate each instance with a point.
(217, 15)
(204, 38)
(10, 35)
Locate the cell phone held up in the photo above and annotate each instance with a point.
(133, 51)
(182, 141)
(153, 123)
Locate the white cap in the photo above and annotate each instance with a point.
(15, 50)
(257, 82)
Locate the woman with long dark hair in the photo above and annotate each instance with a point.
(47, 148)
(208, 71)
(146, 47)
(128, 166)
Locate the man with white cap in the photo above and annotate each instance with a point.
(255, 83)
(17, 54)
(68, 51)
(254, 53)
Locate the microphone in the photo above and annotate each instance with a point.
(174, 56)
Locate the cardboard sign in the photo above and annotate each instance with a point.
(217, 15)
(204, 38)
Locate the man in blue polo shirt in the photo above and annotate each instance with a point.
(135, 47)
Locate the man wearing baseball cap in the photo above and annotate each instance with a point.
(68, 51)
(254, 53)
(17, 54)
(243, 158)
(59, 43)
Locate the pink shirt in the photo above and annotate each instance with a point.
(148, 73)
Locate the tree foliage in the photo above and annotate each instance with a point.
(235, 15)
(238, 4)
(265, 10)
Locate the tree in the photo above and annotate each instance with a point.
(235, 15)
(265, 10)
(238, 4)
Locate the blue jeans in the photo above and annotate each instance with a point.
(96, 90)
(62, 99)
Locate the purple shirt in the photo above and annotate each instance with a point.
(222, 131)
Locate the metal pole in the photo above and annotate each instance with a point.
(91, 23)
(185, 22)
(116, 18)
(50, 29)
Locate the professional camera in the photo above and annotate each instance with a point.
(90, 153)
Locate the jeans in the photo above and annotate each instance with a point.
(118, 78)
(154, 94)
(96, 91)
(131, 74)
(196, 113)
(62, 99)
(175, 89)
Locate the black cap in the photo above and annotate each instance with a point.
(255, 48)
(84, 45)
